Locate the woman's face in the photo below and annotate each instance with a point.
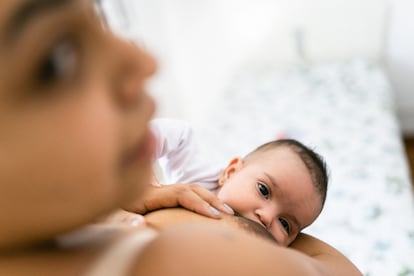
(73, 118)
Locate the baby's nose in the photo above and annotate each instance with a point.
(265, 218)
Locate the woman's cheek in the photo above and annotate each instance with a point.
(100, 141)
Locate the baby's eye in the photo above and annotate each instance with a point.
(264, 191)
(60, 63)
(285, 224)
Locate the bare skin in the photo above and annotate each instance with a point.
(189, 232)
(184, 232)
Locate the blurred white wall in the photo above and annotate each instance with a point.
(400, 60)
(200, 44)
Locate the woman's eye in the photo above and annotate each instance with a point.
(60, 63)
(264, 191)
(285, 224)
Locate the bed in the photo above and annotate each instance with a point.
(345, 111)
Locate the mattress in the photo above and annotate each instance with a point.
(345, 111)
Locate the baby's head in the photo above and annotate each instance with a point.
(281, 184)
(313, 161)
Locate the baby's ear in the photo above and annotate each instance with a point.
(234, 165)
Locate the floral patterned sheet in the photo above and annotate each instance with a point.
(345, 111)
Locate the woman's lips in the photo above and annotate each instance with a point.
(144, 150)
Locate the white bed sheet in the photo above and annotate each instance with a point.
(345, 111)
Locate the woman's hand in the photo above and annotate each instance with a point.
(123, 218)
(189, 196)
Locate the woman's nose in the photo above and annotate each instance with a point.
(134, 67)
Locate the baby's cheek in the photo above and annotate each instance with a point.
(280, 237)
(229, 199)
(223, 196)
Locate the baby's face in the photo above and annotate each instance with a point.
(73, 117)
(274, 188)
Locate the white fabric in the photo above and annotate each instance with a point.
(180, 157)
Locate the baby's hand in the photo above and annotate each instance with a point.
(189, 196)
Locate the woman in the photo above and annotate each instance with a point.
(75, 146)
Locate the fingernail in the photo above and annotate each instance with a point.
(137, 221)
(214, 211)
(229, 209)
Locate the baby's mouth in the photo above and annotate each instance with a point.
(237, 214)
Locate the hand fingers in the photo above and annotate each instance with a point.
(202, 201)
(193, 202)
(155, 181)
(122, 217)
(133, 219)
(212, 199)
(189, 196)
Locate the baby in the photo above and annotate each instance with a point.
(281, 185)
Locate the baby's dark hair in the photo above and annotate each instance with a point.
(312, 160)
